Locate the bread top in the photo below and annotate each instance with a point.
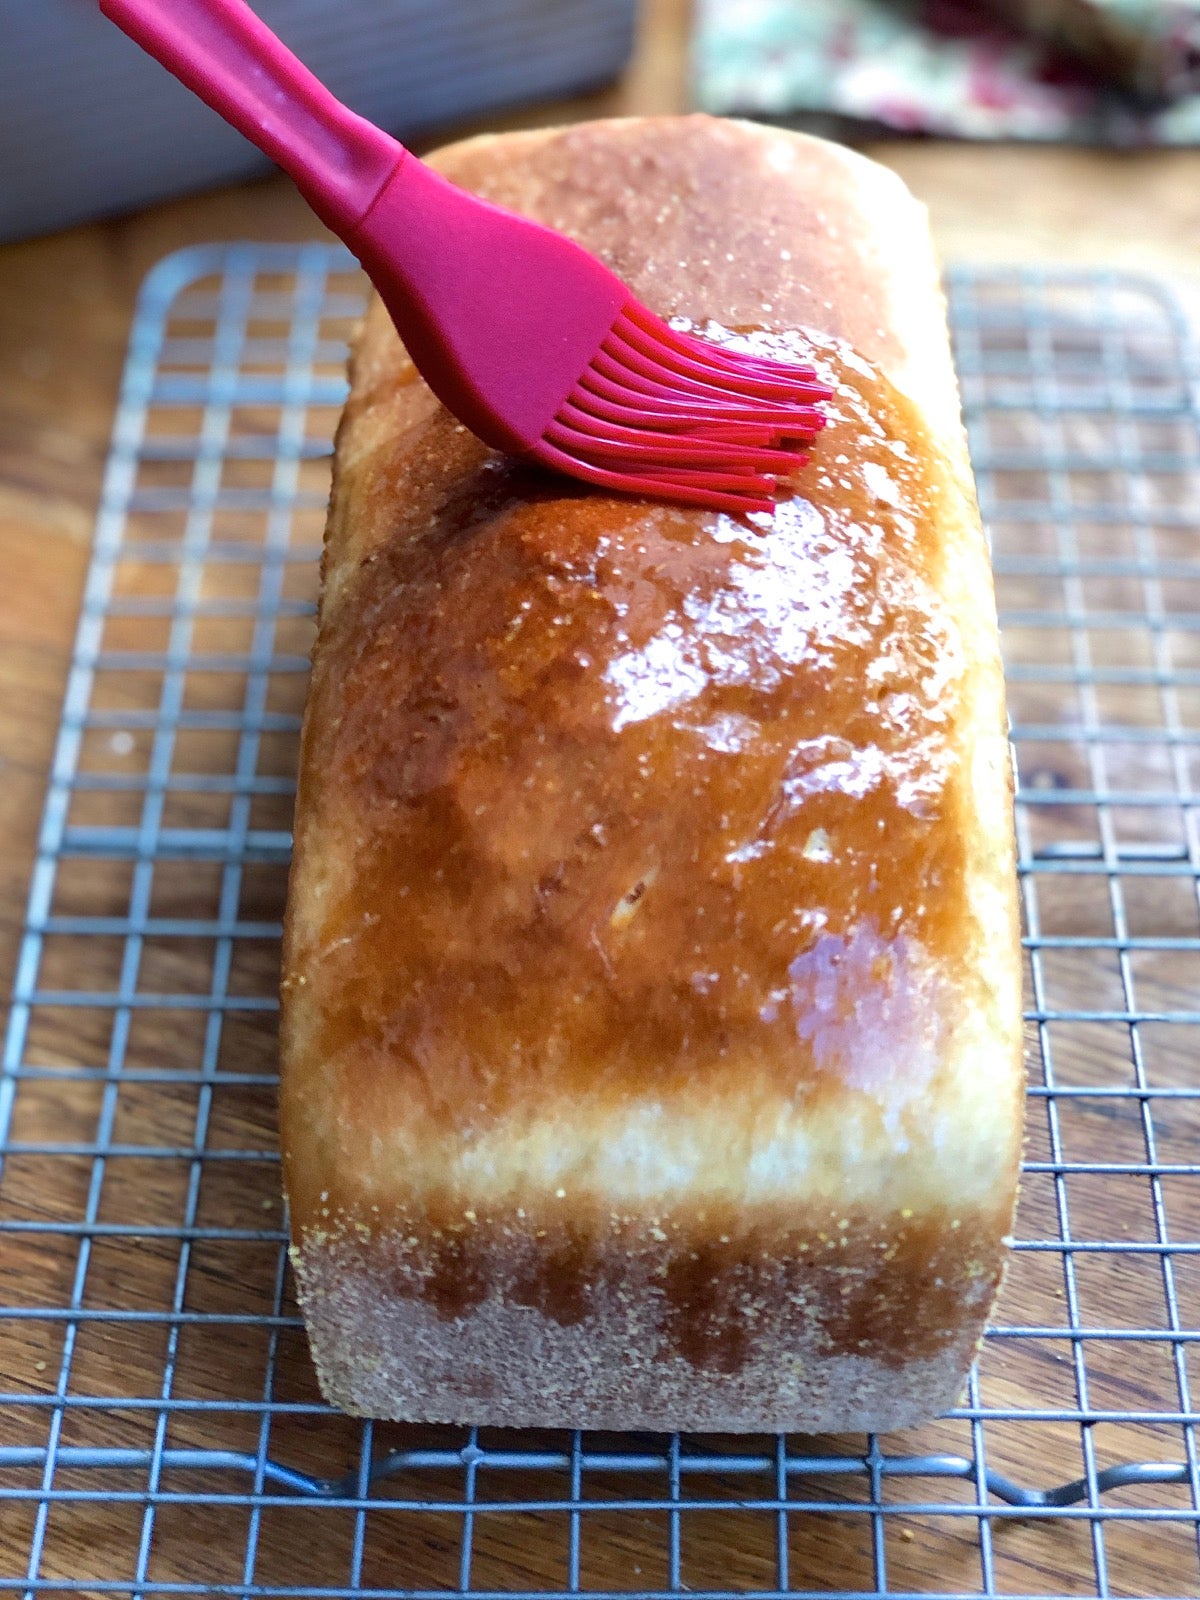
(643, 852)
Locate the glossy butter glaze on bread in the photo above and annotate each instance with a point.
(651, 995)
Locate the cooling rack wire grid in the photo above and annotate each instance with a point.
(160, 1429)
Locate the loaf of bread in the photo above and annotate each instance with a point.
(651, 985)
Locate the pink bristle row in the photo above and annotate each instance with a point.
(715, 490)
(799, 377)
(659, 411)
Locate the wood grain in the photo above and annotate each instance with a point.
(65, 308)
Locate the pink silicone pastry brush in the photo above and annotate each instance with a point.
(524, 335)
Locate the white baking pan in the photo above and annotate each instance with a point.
(89, 125)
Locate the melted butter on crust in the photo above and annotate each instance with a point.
(586, 758)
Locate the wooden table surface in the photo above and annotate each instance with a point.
(65, 308)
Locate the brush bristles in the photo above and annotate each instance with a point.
(661, 412)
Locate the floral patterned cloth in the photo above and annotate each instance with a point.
(955, 67)
(1150, 47)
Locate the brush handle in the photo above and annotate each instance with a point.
(229, 57)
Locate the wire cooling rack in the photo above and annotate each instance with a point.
(160, 1429)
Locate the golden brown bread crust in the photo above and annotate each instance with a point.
(651, 1004)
